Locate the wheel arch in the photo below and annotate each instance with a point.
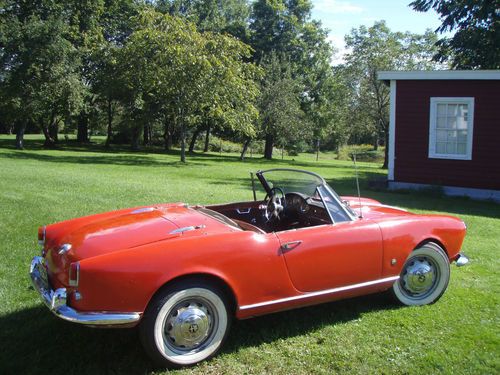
(432, 240)
(208, 278)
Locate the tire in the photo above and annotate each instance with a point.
(424, 277)
(185, 324)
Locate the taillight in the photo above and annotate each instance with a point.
(74, 274)
(41, 235)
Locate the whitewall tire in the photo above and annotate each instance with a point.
(424, 277)
(185, 324)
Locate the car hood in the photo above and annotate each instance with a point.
(119, 230)
(373, 209)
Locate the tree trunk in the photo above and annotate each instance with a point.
(375, 142)
(207, 138)
(268, 148)
(110, 124)
(82, 134)
(146, 139)
(167, 136)
(20, 135)
(136, 135)
(49, 142)
(193, 140)
(386, 153)
(245, 149)
(317, 150)
(53, 130)
(183, 143)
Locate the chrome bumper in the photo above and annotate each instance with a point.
(461, 260)
(56, 302)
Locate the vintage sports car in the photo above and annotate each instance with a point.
(182, 273)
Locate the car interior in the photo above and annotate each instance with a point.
(274, 214)
(293, 199)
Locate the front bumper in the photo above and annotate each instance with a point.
(461, 260)
(56, 302)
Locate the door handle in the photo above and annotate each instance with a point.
(290, 245)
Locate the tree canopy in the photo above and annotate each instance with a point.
(159, 71)
(476, 41)
(373, 49)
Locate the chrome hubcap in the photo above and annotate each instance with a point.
(188, 325)
(419, 276)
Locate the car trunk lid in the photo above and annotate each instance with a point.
(120, 230)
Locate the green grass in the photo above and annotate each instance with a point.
(458, 334)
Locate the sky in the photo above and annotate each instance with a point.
(340, 16)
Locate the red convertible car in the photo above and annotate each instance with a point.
(182, 273)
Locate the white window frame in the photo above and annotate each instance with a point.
(433, 124)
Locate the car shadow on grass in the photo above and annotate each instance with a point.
(34, 341)
(297, 322)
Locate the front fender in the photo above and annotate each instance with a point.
(402, 236)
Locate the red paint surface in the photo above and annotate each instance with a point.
(412, 163)
(125, 258)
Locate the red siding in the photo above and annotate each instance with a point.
(412, 163)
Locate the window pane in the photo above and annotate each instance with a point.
(451, 148)
(441, 123)
(452, 110)
(452, 136)
(452, 122)
(462, 110)
(461, 148)
(461, 123)
(462, 136)
(440, 148)
(441, 135)
(441, 109)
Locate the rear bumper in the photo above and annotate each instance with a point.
(55, 300)
(461, 260)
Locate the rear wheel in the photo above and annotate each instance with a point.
(424, 277)
(185, 324)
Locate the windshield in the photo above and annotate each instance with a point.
(310, 185)
(292, 181)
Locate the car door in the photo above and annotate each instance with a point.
(331, 256)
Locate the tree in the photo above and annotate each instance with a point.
(284, 27)
(168, 68)
(476, 42)
(371, 50)
(209, 15)
(40, 71)
(282, 120)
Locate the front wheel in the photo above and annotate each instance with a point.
(185, 324)
(424, 277)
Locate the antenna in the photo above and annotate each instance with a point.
(357, 184)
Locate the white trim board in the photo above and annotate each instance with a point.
(440, 75)
(469, 101)
(392, 132)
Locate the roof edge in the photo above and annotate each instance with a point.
(439, 75)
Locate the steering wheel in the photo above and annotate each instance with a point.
(274, 204)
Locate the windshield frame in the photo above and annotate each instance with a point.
(322, 182)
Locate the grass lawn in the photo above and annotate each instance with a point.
(458, 334)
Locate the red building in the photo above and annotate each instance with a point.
(445, 131)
